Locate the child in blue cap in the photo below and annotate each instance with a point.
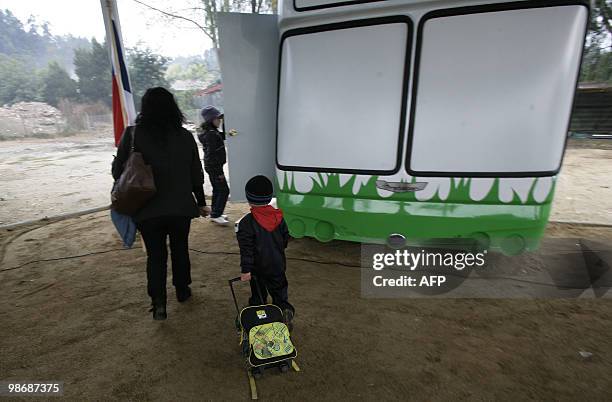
(213, 142)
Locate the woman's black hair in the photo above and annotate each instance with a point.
(159, 111)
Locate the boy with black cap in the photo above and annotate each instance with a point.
(262, 237)
(213, 142)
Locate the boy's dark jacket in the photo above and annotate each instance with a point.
(213, 142)
(262, 238)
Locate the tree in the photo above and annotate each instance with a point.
(194, 72)
(184, 99)
(18, 81)
(33, 43)
(57, 85)
(147, 70)
(601, 18)
(18, 42)
(65, 46)
(204, 14)
(92, 67)
(597, 57)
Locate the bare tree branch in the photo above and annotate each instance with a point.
(211, 17)
(193, 9)
(169, 14)
(210, 8)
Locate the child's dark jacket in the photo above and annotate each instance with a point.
(262, 237)
(213, 143)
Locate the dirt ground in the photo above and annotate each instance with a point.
(584, 187)
(84, 321)
(49, 177)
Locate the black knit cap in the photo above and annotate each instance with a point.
(259, 190)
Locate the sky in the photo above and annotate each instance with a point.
(139, 25)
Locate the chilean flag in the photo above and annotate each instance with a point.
(124, 113)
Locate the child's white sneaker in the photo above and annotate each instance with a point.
(220, 221)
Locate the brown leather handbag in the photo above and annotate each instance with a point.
(135, 186)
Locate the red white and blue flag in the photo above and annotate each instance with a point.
(124, 113)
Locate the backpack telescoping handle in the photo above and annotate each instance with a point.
(237, 279)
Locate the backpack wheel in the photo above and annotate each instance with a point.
(257, 372)
(284, 367)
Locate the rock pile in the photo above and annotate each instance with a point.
(30, 119)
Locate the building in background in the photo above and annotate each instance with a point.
(592, 115)
(211, 95)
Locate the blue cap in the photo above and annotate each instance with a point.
(209, 113)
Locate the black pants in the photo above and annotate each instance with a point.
(220, 190)
(154, 232)
(276, 285)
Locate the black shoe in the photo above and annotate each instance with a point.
(288, 318)
(159, 310)
(183, 294)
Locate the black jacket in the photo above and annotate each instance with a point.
(177, 171)
(261, 251)
(213, 142)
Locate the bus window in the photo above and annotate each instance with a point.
(341, 96)
(494, 90)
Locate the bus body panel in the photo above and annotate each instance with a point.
(361, 153)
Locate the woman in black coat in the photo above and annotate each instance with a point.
(173, 154)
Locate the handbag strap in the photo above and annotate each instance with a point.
(133, 140)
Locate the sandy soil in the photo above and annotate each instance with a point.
(49, 177)
(584, 187)
(84, 321)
